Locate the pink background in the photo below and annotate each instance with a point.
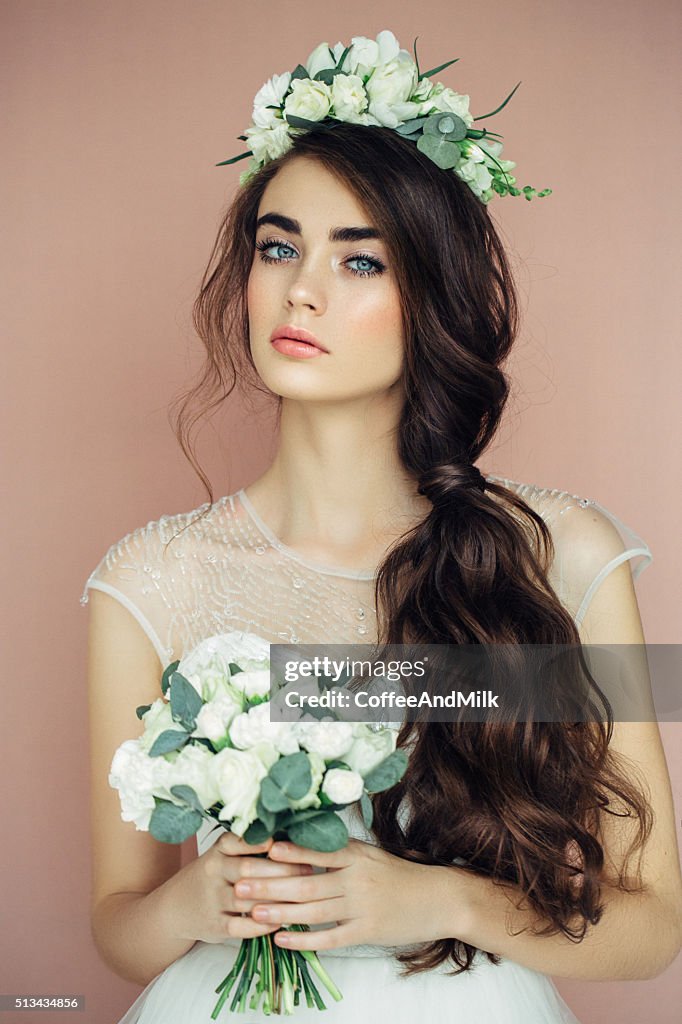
(117, 112)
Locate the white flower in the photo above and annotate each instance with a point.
(367, 54)
(215, 716)
(253, 683)
(329, 739)
(254, 726)
(342, 787)
(393, 82)
(269, 143)
(476, 175)
(349, 98)
(308, 99)
(157, 720)
(369, 748)
(192, 767)
(447, 100)
(207, 666)
(138, 779)
(320, 60)
(272, 92)
(237, 775)
(312, 797)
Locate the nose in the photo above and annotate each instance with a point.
(305, 289)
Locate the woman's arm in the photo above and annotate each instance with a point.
(146, 909)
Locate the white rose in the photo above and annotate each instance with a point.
(157, 720)
(476, 175)
(362, 57)
(192, 767)
(215, 716)
(138, 779)
(311, 798)
(269, 143)
(366, 54)
(237, 775)
(393, 82)
(447, 100)
(369, 748)
(328, 739)
(319, 60)
(349, 98)
(253, 683)
(207, 666)
(272, 92)
(308, 99)
(254, 726)
(342, 787)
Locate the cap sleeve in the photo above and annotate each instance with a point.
(148, 577)
(590, 542)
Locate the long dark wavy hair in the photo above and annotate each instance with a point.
(519, 803)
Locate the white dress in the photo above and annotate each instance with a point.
(228, 571)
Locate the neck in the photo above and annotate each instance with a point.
(336, 488)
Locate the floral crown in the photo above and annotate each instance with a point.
(375, 82)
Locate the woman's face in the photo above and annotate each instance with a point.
(342, 292)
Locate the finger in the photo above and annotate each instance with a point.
(233, 845)
(290, 852)
(247, 928)
(318, 912)
(265, 868)
(323, 938)
(294, 889)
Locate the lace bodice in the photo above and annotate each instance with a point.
(227, 570)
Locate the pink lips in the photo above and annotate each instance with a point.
(295, 341)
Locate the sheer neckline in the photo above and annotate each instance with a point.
(327, 570)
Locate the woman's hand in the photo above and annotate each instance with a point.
(373, 896)
(200, 899)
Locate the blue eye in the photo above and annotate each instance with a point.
(272, 243)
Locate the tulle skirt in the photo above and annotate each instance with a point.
(371, 985)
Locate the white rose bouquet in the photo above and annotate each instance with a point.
(210, 751)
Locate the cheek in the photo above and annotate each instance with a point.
(375, 322)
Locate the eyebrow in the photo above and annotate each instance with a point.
(293, 227)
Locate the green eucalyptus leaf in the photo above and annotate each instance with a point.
(234, 668)
(185, 702)
(272, 797)
(258, 832)
(324, 832)
(327, 75)
(446, 124)
(292, 774)
(142, 710)
(170, 669)
(367, 811)
(170, 823)
(170, 739)
(386, 774)
(189, 795)
(443, 153)
(267, 817)
(413, 125)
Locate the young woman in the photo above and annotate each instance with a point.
(494, 863)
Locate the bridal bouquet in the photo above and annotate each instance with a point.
(210, 751)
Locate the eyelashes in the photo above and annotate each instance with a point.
(270, 243)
